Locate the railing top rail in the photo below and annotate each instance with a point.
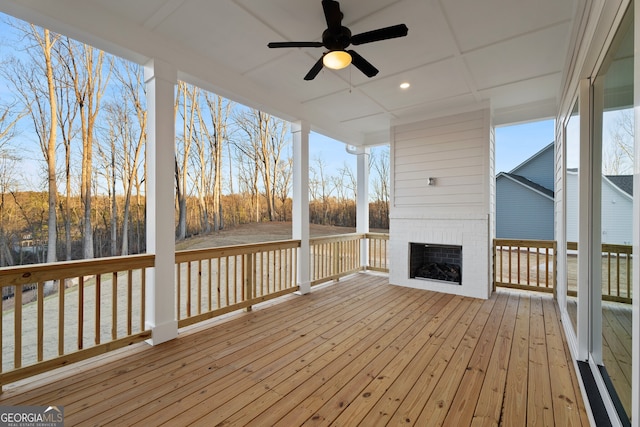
(383, 236)
(336, 238)
(33, 273)
(622, 249)
(530, 243)
(607, 247)
(207, 253)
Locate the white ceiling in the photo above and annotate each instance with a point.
(459, 54)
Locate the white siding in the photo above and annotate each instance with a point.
(456, 151)
(617, 215)
(458, 210)
(617, 212)
(572, 206)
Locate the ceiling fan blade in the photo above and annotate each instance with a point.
(294, 44)
(333, 15)
(385, 33)
(313, 72)
(362, 64)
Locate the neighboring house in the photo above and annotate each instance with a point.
(525, 202)
(524, 199)
(617, 208)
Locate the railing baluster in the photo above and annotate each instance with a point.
(537, 266)
(628, 262)
(199, 302)
(61, 317)
(40, 327)
(129, 301)
(188, 302)
(209, 285)
(97, 308)
(17, 326)
(546, 267)
(609, 272)
(114, 306)
(226, 278)
(178, 289)
(143, 297)
(80, 312)
(618, 274)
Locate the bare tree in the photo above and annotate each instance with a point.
(345, 185)
(39, 98)
(7, 185)
(617, 154)
(319, 185)
(188, 95)
(85, 69)
(9, 117)
(264, 143)
(283, 186)
(379, 164)
(219, 111)
(130, 135)
(67, 113)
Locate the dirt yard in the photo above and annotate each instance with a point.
(256, 233)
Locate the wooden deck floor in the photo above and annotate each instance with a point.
(360, 352)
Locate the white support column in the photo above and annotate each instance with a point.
(362, 202)
(160, 80)
(300, 221)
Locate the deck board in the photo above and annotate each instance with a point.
(359, 352)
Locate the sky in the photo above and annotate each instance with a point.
(516, 143)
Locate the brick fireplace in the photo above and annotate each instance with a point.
(442, 192)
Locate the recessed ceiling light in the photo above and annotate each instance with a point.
(405, 85)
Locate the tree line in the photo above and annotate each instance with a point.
(73, 127)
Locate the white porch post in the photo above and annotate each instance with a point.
(300, 208)
(362, 202)
(160, 80)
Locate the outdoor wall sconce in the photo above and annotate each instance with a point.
(431, 181)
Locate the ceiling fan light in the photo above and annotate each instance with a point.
(336, 59)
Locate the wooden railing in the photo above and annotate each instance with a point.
(531, 264)
(69, 311)
(333, 257)
(616, 272)
(211, 282)
(525, 264)
(378, 251)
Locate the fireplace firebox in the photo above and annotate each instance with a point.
(436, 262)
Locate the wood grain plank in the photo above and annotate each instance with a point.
(417, 395)
(463, 405)
(488, 408)
(515, 401)
(354, 354)
(539, 405)
(437, 408)
(563, 397)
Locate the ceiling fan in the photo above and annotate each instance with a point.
(336, 38)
